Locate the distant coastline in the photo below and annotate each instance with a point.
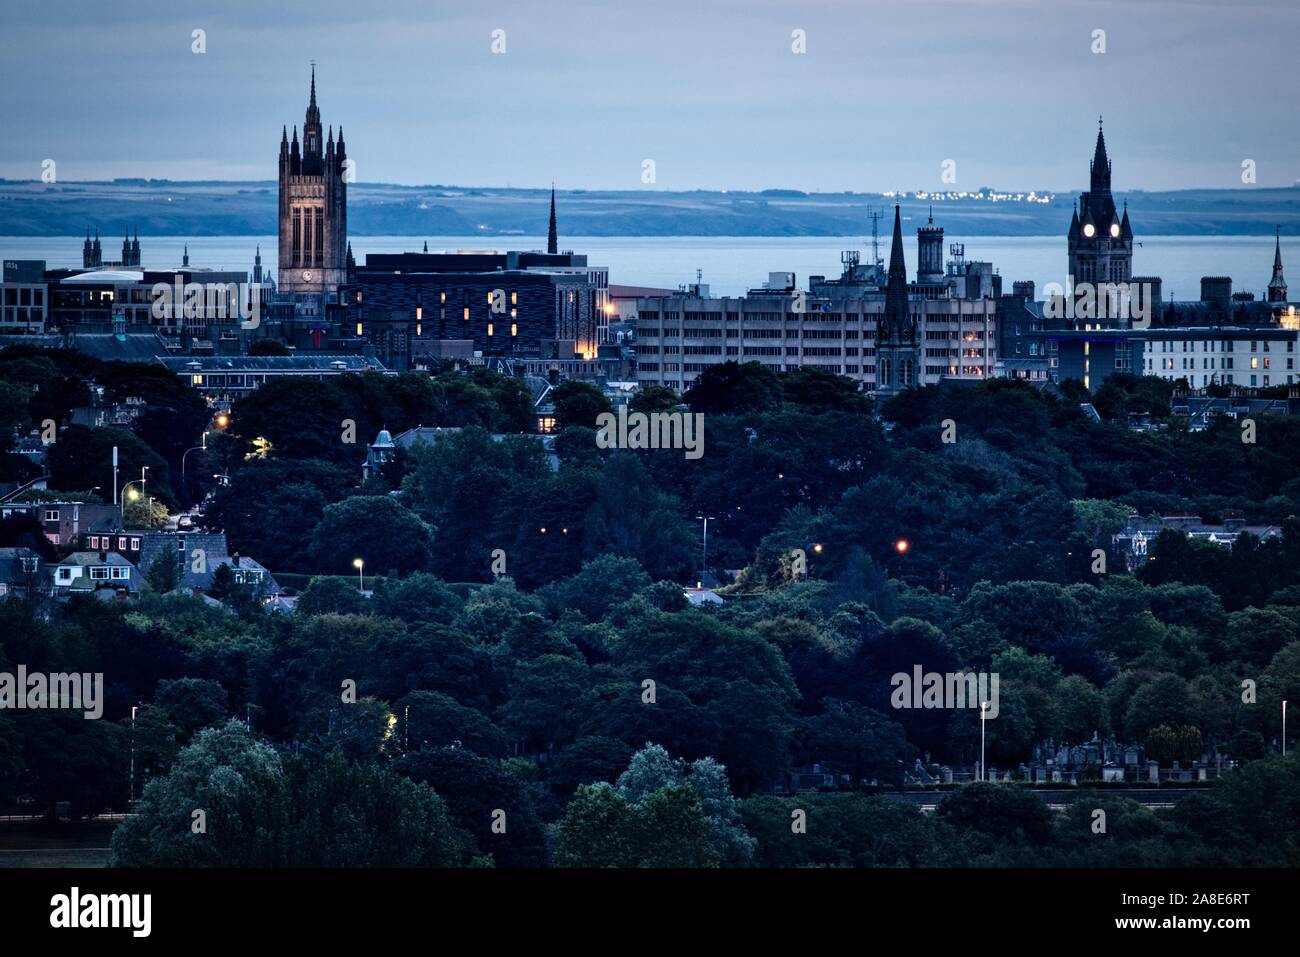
(161, 207)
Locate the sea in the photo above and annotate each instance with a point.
(730, 265)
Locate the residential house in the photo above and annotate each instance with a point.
(87, 572)
(23, 573)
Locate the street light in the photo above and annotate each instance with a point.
(984, 774)
(360, 565)
(704, 558)
(134, 494)
(201, 447)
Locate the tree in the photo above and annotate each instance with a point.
(433, 719)
(261, 811)
(330, 594)
(731, 388)
(270, 508)
(163, 574)
(1000, 812)
(578, 403)
(654, 398)
(488, 802)
(858, 741)
(376, 529)
(417, 598)
(192, 703)
(632, 518)
(602, 583)
(666, 829)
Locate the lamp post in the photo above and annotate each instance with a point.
(704, 557)
(132, 795)
(360, 565)
(984, 774)
(201, 447)
(1284, 727)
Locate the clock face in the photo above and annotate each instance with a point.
(1114, 230)
(307, 275)
(1089, 230)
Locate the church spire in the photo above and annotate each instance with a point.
(896, 316)
(1277, 285)
(552, 237)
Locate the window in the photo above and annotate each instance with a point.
(99, 573)
(119, 572)
(94, 542)
(51, 514)
(135, 544)
(65, 574)
(121, 543)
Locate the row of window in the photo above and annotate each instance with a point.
(96, 542)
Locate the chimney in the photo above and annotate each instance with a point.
(234, 559)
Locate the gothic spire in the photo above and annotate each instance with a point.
(552, 237)
(1277, 285)
(896, 317)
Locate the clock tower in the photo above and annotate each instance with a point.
(313, 208)
(1100, 239)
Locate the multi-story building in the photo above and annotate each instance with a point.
(413, 307)
(24, 297)
(1255, 357)
(936, 332)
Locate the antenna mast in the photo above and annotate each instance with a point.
(875, 214)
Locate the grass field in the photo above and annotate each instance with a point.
(39, 844)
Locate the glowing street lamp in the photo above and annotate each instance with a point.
(902, 545)
(360, 565)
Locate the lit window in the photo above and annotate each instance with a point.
(514, 328)
(419, 313)
(467, 313)
(489, 328)
(359, 328)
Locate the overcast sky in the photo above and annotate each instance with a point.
(709, 89)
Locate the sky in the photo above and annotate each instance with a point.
(711, 91)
